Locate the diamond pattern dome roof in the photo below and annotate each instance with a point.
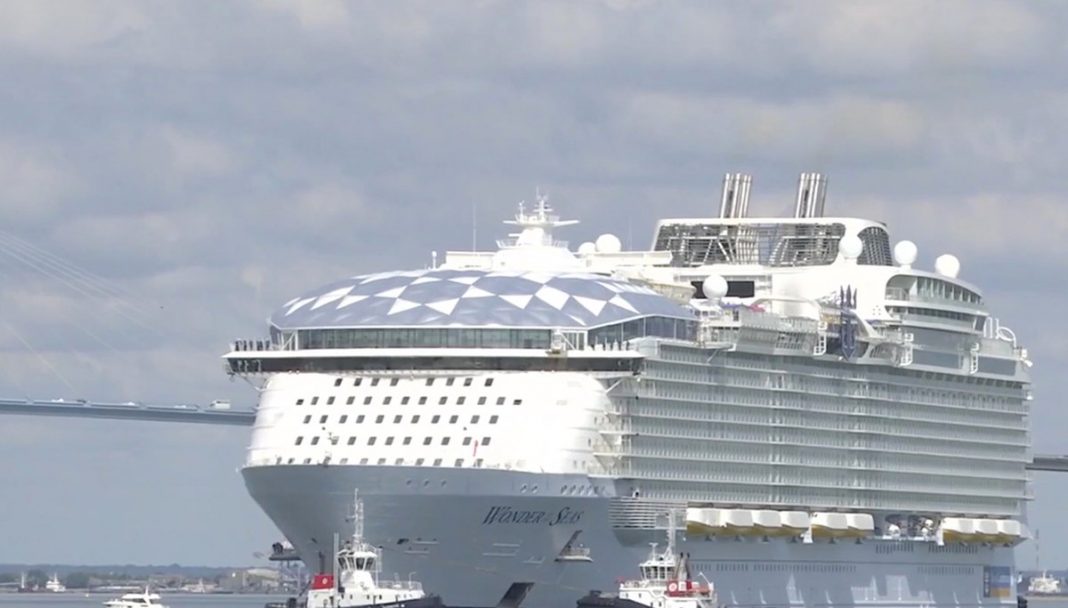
(476, 298)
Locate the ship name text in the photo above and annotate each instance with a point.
(508, 515)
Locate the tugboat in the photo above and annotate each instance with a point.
(665, 583)
(355, 582)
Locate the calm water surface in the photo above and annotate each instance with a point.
(96, 600)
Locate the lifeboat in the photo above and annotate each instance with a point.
(794, 523)
(860, 525)
(830, 525)
(767, 523)
(1009, 531)
(958, 529)
(738, 522)
(701, 521)
(986, 530)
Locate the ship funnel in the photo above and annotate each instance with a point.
(735, 201)
(811, 192)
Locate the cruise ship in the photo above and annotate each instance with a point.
(834, 424)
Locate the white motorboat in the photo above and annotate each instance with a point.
(136, 600)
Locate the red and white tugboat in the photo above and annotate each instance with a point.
(355, 582)
(665, 583)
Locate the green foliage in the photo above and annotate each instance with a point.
(77, 580)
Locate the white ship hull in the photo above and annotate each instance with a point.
(467, 535)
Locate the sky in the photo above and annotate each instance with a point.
(205, 162)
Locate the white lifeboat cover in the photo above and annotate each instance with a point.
(861, 522)
(797, 520)
(709, 518)
(767, 519)
(737, 518)
(830, 521)
(960, 525)
(1009, 527)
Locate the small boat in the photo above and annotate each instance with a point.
(665, 582)
(355, 582)
(54, 585)
(136, 600)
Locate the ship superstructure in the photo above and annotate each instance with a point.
(835, 425)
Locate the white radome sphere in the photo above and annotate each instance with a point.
(947, 265)
(714, 287)
(905, 253)
(608, 243)
(850, 246)
(587, 248)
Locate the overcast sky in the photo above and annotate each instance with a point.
(211, 160)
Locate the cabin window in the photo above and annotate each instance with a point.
(741, 289)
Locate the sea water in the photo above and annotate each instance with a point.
(177, 600)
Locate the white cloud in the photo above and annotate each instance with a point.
(33, 182)
(63, 30)
(313, 15)
(196, 154)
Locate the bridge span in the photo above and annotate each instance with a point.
(217, 414)
(129, 411)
